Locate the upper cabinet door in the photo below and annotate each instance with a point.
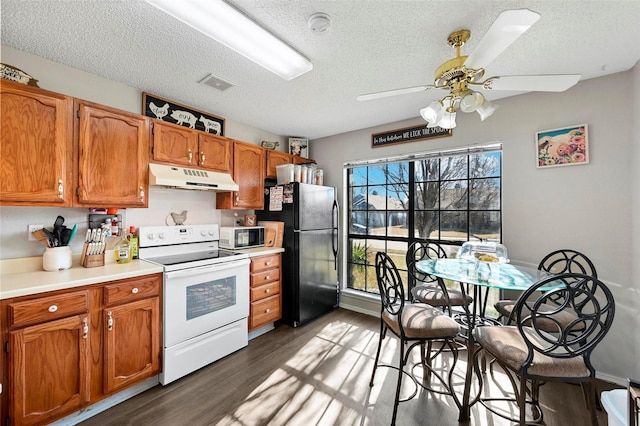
(174, 144)
(276, 158)
(113, 158)
(215, 153)
(248, 173)
(36, 150)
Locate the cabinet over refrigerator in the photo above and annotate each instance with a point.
(310, 261)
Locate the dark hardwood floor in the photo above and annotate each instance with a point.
(318, 374)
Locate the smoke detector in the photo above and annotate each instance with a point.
(319, 23)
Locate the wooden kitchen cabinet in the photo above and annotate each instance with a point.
(248, 173)
(265, 290)
(36, 148)
(71, 348)
(132, 332)
(178, 145)
(274, 159)
(49, 358)
(113, 157)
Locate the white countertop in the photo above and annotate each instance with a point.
(25, 276)
(260, 251)
(21, 277)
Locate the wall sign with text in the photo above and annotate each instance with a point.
(409, 134)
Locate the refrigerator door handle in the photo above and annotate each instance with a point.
(335, 221)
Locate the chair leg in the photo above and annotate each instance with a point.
(375, 363)
(399, 386)
(588, 389)
(522, 400)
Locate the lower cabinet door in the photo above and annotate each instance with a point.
(49, 370)
(132, 343)
(265, 311)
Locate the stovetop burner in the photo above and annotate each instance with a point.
(176, 259)
(184, 246)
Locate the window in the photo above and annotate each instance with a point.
(449, 197)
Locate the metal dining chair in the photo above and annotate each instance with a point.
(556, 262)
(429, 289)
(413, 324)
(539, 348)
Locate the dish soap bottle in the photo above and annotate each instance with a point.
(123, 251)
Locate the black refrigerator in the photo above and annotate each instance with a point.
(310, 240)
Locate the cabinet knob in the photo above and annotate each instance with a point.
(53, 308)
(267, 277)
(85, 328)
(267, 310)
(268, 290)
(109, 321)
(268, 263)
(60, 189)
(135, 290)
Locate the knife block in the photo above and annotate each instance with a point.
(91, 261)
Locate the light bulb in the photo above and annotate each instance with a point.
(430, 112)
(486, 109)
(471, 101)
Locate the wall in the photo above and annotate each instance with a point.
(635, 236)
(592, 208)
(60, 78)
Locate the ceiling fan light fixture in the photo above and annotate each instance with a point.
(431, 112)
(232, 28)
(486, 110)
(470, 100)
(448, 120)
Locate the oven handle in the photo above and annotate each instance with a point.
(213, 268)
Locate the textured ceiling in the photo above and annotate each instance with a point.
(371, 46)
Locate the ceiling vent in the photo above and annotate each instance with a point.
(216, 82)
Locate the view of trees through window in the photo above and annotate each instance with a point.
(448, 199)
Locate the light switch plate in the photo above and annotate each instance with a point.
(31, 229)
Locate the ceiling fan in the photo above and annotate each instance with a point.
(459, 74)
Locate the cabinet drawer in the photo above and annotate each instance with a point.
(265, 311)
(47, 308)
(131, 290)
(265, 262)
(261, 278)
(266, 290)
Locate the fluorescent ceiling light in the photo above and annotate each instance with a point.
(227, 25)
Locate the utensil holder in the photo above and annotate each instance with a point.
(56, 258)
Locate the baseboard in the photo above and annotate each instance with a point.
(105, 404)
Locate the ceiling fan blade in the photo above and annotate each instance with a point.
(534, 83)
(510, 25)
(395, 92)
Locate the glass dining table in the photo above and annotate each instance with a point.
(480, 276)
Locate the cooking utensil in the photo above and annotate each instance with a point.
(53, 241)
(42, 237)
(57, 230)
(73, 233)
(65, 235)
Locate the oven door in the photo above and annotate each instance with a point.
(201, 299)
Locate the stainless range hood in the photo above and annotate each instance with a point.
(185, 178)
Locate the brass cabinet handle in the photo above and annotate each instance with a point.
(190, 156)
(141, 194)
(85, 328)
(60, 189)
(109, 321)
(202, 158)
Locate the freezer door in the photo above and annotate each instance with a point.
(315, 206)
(318, 276)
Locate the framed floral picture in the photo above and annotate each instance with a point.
(566, 146)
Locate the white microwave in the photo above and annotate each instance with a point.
(241, 237)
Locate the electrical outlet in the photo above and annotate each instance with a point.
(31, 229)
